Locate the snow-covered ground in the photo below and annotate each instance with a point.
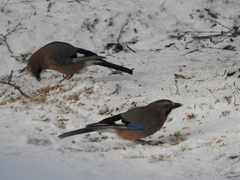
(186, 51)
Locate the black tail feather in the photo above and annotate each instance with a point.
(86, 58)
(112, 119)
(75, 132)
(86, 52)
(104, 63)
(113, 66)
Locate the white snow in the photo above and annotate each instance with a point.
(201, 138)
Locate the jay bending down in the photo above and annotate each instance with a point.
(63, 57)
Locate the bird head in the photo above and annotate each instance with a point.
(166, 105)
(35, 70)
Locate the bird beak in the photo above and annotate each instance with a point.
(176, 105)
(38, 77)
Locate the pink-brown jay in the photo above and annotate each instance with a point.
(63, 57)
(133, 124)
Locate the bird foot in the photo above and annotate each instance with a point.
(153, 143)
(61, 80)
(65, 77)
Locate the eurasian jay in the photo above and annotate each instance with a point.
(133, 124)
(63, 57)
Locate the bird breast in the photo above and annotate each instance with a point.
(138, 134)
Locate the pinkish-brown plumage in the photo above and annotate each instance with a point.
(135, 123)
(63, 57)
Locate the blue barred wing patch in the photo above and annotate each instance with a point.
(64, 62)
(134, 126)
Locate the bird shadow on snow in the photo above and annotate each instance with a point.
(104, 143)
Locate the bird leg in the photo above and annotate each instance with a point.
(140, 141)
(66, 76)
(155, 143)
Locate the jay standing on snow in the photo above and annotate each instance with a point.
(133, 124)
(63, 57)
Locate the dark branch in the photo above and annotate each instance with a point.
(4, 37)
(8, 82)
(4, 6)
(120, 33)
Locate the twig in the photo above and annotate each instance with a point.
(15, 28)
(5, 40)
(78, 1)
(201, 32)
(217, 100)
(163, 3)
(4, 37)
(10, 76)
(219, 24)
(21, 57)
(120, 33)
(118, 45)
(117, 89)
(17, 88)
(210, 36)
(195, 50)
(4, 6)
(8, 82)
(177, 90)
(130, 48)
(23, 69)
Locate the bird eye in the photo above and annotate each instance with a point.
(167, 106)
(168, 109)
